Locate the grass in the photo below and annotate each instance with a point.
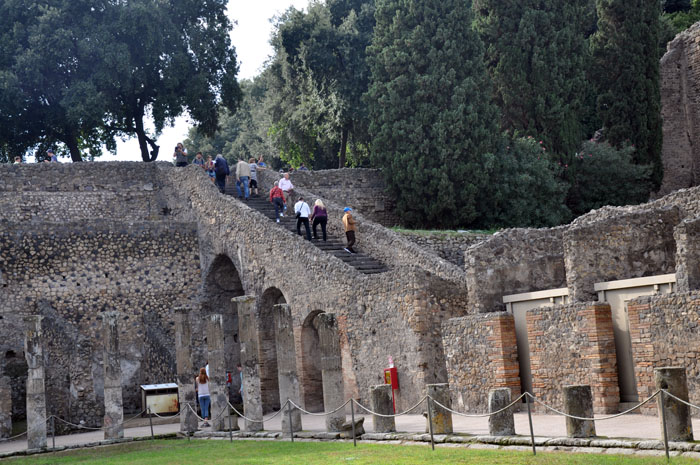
(213, 452)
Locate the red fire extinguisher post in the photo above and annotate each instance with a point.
(391, 377)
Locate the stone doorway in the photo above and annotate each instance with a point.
(312, 383)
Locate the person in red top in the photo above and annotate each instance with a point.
(277, 199)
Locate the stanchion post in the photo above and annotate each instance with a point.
(230, 425)
(529, 419)
(289, 414)
(352, 417)
(53, 432)
(150, 422)
(663, 422)
(430, 425)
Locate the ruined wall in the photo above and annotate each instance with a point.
(680, 109)
(664, 332)
(481, 354)
(573, 344)
(362, 189)
(687, 237)
(449, 246)
(513, 261)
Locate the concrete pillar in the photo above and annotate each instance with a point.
(501, 424)
(217, 372)
(36, 393)
(442, 419)
(678, 423)
(331, 370)
(287, 366)
(5, 407)
(578, 401)
(381, 402)
(250, 363)
(114, 407)
(185, 371)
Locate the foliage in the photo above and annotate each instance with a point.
(678, 20)
(626, 76)
(537, 55)
(673, 6)
(600, 175)
(431, 115)
(524, 189)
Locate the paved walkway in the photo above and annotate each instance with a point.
(628, 426)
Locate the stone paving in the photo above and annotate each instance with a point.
(628, 426)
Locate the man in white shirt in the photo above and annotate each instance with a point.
(287, 188)
(302, 210)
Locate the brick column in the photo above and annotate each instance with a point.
(114, 407)
(331, 370)
(287, 366)
(36, 393)
(603, 359)
(503, 353)
(250, 363)
(185, 370)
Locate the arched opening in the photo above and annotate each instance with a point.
(312, 383)
(221, 284)
(267, 349)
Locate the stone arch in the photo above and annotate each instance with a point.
(267, 348)
(311, 380)
(222, 282)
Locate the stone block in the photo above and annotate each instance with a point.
(503, 423)
(677, 414)
(382, 402)
(578, 402)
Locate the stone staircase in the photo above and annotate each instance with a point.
(334, 244)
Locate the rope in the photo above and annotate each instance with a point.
(320, 414)
(257, 421)
(680, 400)
(159, 416)
(133, 418)
(13, 437)
(195, 412)
(592, 419)
(405, 412)
(73, 424)
(479, 415)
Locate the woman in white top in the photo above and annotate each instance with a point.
(202, 383)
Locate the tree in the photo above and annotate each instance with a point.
(626, 75)
(537, 55)
(431, 116)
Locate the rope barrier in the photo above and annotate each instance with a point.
(13, 437)
(258, 421)
(479, 415)
(680, 400)
(74, 425)
(592, 419)
(320, 414)
(382, 415)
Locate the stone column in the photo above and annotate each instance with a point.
(578, 401)
(217, 372)
(5, 407)
(36, 394)
(678, 423)
(381, 402)
(287, 366)
(250, 363)
(331, 370)
(185, 371)
(114, 408)
(501, 424)
(442, 419)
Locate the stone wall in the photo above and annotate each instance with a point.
(362, 189)
(514, 261)
(573, 344)
(481, 354)
(680, 108)
(664, 332)
(687, 236)
(446, 245)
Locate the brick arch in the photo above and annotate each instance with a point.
(267, 348)
(311, 381)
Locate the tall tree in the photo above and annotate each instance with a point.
(537, 55)
(626, 75)
(431, 115)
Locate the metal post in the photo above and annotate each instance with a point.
(150, 422)
(663, 422)
(430, 425)
(289, 414)
(529, 418)
(230, 425)
(53, 432)
(352, 416)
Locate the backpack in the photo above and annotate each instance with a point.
(220, 167)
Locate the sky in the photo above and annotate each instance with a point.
(250, 36)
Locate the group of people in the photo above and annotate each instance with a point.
(49, 158)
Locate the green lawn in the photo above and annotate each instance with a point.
(207, 452)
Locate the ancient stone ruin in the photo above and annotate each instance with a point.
(153, 263)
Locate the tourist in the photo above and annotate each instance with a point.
(202, 383)
(286, 186)
(350, 228)
(18, 160)
(253, 177)
(180, 155)
(240, 375)
(277, 199)
(51, 156)
(302, 168)
(209, 167)
(221, 171)
(302, 211)
(319, 216)
(242, 178)
(199, 160)
(261, 163)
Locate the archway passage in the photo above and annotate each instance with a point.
(221, 284)
(267, 349)
(312, 382)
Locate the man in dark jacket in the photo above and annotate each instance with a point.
(221, 172)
